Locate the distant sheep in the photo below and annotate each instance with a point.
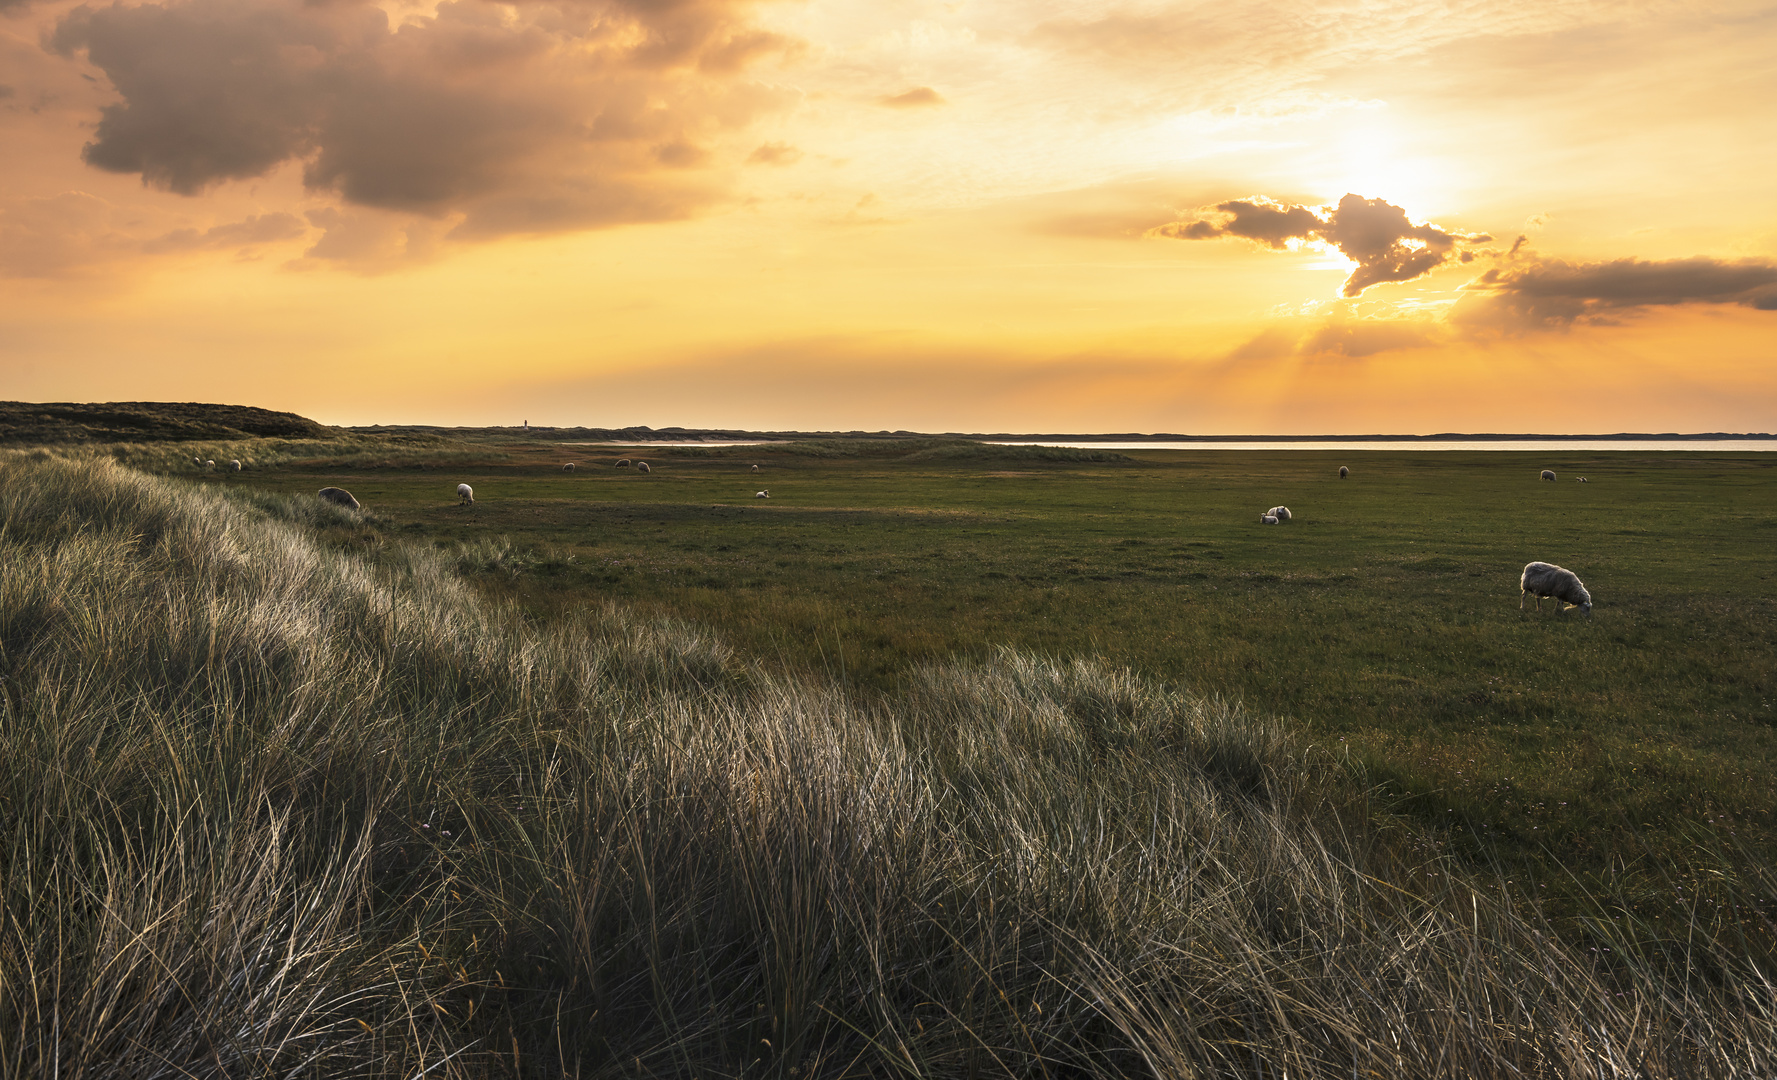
(1344, 472)
(761, 494)
(208, 464)
(1583, 480)
(642, 466)
(1542, 579)
(569, 467)
(197, 461)
(1267, 519)
(1281, 513)
(1548, 474)
(465, 495)
(340, 497)
(235, 464)
(755, 468)
(623, 463)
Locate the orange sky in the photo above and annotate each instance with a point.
(980, 215)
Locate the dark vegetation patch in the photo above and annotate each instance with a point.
(23, 422)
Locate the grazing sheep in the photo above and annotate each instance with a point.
(755, 468)
(235, 464)
(1344, 472)
(1281, 513)
(1546, 579)
(465, 495)
(761, 494)
(642, 466)
(1548, 474)
(569, 467)
(1267, 519)
(197, 461)
(623, 463)
(209, 464)
(1583, 480)
(340, 497)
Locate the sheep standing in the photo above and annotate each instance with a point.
(465, 495)
(1542, 579)
(755, 468)
(1548, 474)
(339, 497)
(761, 494)
(1344, 472)
(210, 465)
(623, 463)
(1281, 513)
(234, 465)
(569, 467)
(642, 466)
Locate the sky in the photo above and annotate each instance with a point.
(1361, 216)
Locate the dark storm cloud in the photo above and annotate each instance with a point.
(1529, 291)
(534, 118)
(1373, 233)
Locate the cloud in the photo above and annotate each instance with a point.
(259, 229)
(1373, 233)
(66, 234)
(539, 117)
(1360, 338)
(774, 153)
(917, 98)
(1530, 291)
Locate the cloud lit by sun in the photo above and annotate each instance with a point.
(564, 205)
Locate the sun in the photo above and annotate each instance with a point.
(1370, 154)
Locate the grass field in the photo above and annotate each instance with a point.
(1382, 620)
(752, 787)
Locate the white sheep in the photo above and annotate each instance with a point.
(209, 464)
(1267, 519)
(623, 463)
(1583, 480)
(197, 461)
(339, 497)
(235, 464)
(1548, 474)
(642, 466)
(569, 467)
(465, 495)
(1542, 579)
(1344, 472)
(761, 494)
(1281, 513)
(755, 468)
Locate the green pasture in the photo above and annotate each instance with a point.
(1382, 622)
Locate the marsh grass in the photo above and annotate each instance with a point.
(280, 806)
(346, 451)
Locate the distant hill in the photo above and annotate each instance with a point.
(147, 421)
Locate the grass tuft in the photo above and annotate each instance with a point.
(274, 806)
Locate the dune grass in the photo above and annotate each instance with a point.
(1383, 621)
(281, 802)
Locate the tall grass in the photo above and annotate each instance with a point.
(273, 808)
(356, 451)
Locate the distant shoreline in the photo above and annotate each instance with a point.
(138, 421)
(733, 435)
